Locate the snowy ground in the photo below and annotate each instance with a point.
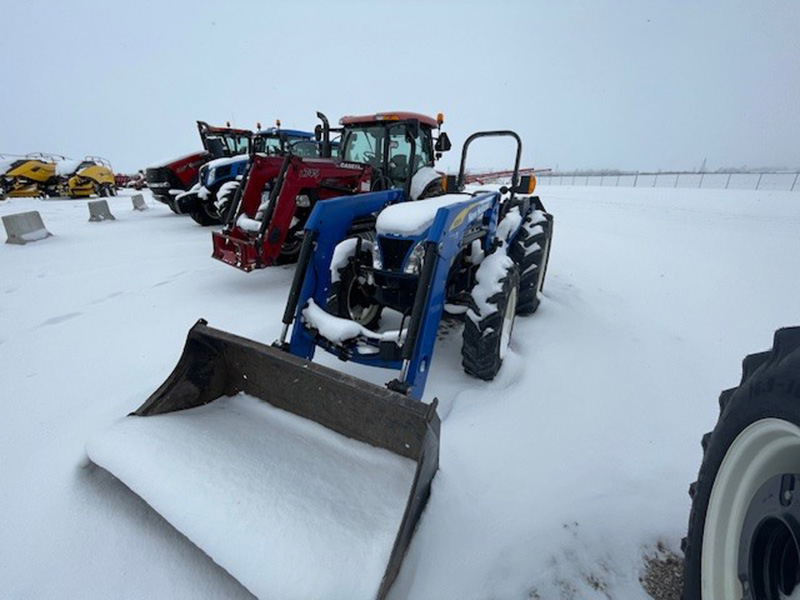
(554, 478)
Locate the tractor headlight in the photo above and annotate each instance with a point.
(414, 264)
(303, 201)
(210, 176)
(377, 261)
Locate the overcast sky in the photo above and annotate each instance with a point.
(627, 84)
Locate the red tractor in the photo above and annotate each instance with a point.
(265, 222)
(169, 179)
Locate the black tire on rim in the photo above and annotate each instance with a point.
(530, 250)
(352, 297)
(744, 525)
(202, 216)
(486, 337)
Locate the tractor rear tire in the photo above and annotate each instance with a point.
(530, 250)
(746, 500)
(486, 337)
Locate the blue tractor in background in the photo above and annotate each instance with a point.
(219, 179)
(481, 254)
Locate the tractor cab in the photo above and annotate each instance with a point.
(277, 142)
(396, 145)
(223, 142)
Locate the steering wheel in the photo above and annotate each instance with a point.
(380, 181)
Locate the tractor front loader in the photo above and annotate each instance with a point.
(265, 224)
(300, 481)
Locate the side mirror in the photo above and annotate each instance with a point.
(442, 143)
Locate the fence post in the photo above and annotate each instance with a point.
(702, 175)
(677, 177)
(655, 179)
(728, 181)
(758, 183)
(636, 179)
(601, 180)
(794, 182)
(585, 183)
(617, 183)
(573, 178)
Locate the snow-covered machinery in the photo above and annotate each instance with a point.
(207, 201)
(173, 177)
(265, 223)
(299, 480)
(744, 527)
(483, 255)
(83, 178)
(31, 175)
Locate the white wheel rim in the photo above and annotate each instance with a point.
(763, 450)
(508, 323)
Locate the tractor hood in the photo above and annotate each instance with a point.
(413, 218)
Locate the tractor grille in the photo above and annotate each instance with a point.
(393, 251)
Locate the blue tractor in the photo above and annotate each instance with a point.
(480, 254)
(219, 179)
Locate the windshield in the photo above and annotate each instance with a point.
(385, 147)
(273, 145)
(227, 144)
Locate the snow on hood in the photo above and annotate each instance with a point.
(65, 168)
(412, 218)
(169, 161)
(226, 160)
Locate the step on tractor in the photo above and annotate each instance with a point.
(83, 178)
(265, 222)
(32, 175)
(482, 255)
(168, 179)
(207, 201)
(744, 526)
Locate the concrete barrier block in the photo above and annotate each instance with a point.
(23, 228)
(138, 202)
(99, 211)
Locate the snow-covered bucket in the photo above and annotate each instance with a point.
(99, 211)
(300, 481)
(23, 228)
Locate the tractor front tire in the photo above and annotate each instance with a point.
(351, 297)
(744, 526)
(530, 250)
(486, 337)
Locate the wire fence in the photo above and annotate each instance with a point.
(754, 180)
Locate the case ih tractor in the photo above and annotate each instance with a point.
(265, 223)
(169, 179)
(219, 178)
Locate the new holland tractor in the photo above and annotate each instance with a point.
(744, 527)
(482, 255)
(31, 175)
(83, 178)
(207, 201)
(168, 179)
(265, 223)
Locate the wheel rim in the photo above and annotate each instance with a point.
(764, 450)
(508, 322)
(360, 306)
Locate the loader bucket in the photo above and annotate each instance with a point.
(301, 481)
